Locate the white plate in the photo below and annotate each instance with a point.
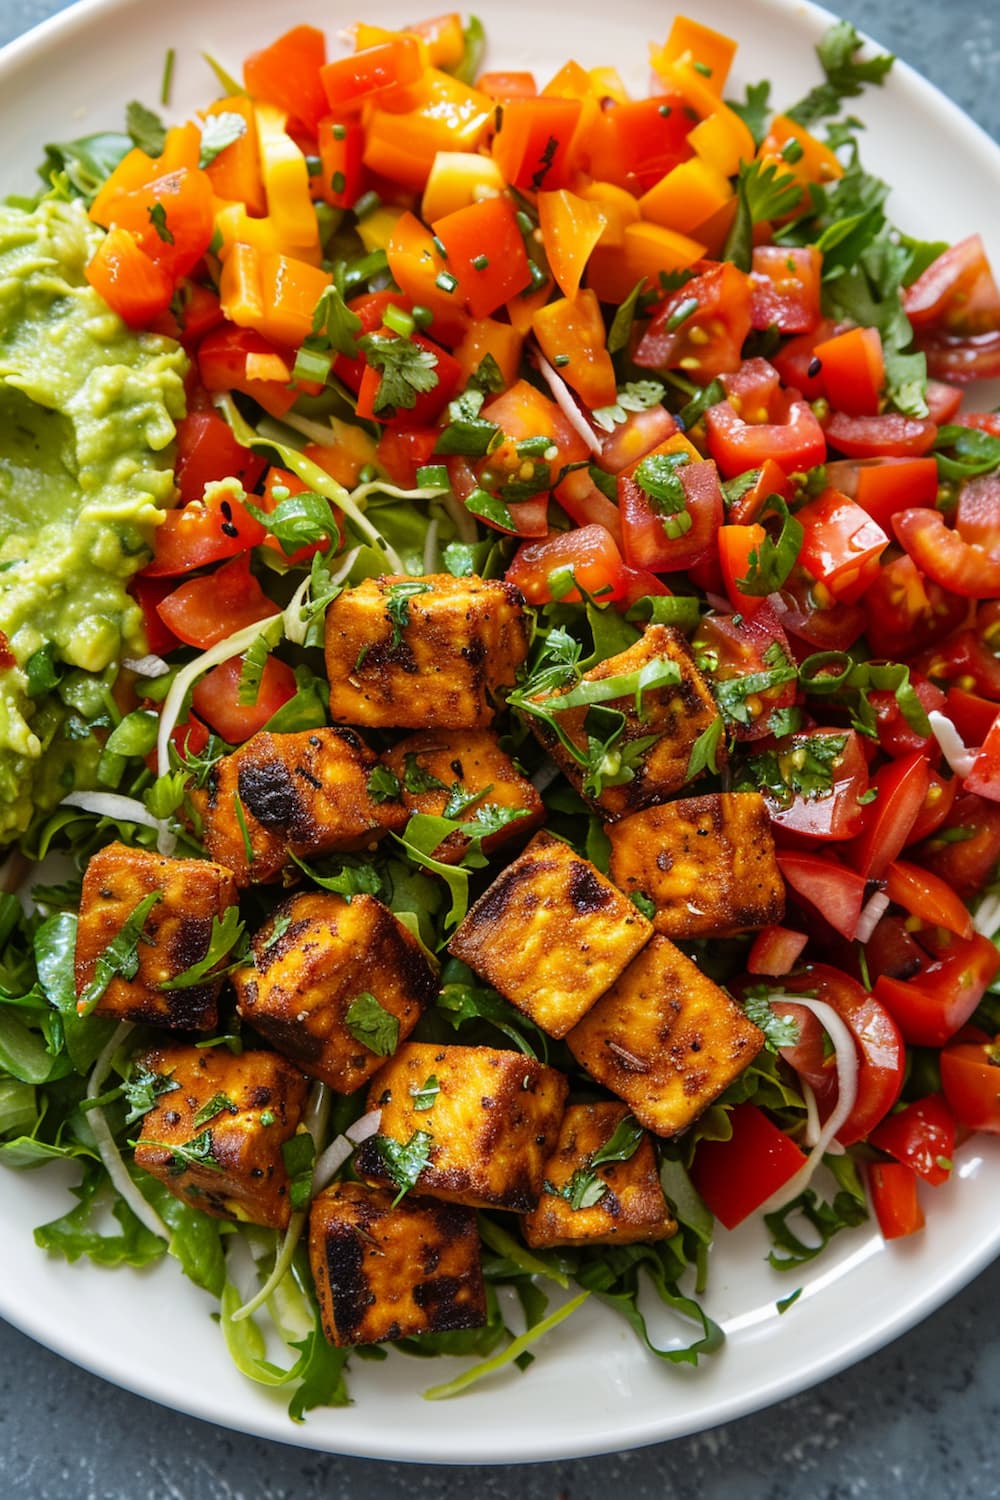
(592, 1388)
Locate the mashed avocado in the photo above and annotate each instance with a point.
(87, 412)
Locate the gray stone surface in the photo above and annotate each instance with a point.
(919, 1420)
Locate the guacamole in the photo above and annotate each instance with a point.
(87, 411)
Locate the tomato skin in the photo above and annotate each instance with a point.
(183, 204)
(970, 1077)
(824, 624)
(877, 1040)
(956, 294)
(837, 814)
(794, 442)
(889, 435)
(428, 405)
(770, 480)
(225, 362)
(775, 951)
(901, 787)
(206, 609)
(893, 950)
(208, 451)
(930, 1008)
(895, 736)
(202, 532)
(632, 439)
(841, 546)
(708, 342)
(977, 519)
(965, 660)
(589, 551)
(971, 715)
(646, 543)
(585, 503)
(853, 371)
(795, 359)
(921, 1135)
(926, 896)
(522, 149)
(938, 801)
(894, 1198)
(962, 359)
(404, 450)
(904, 612)
(735, 1177)
(215, 699)
(941, 553)
(834, 891)
(785, 288)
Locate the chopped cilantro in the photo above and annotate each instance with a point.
(147, 130)
(218, 132)
(779, 1031)
(403, 1162)
(398, 596)
(120, 959)
(372, 1025)
(425, 1095)
(845, 76)
(225, 940)
(383, 785)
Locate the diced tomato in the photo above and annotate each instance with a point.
(901, 787)
(841, 545)
(632, 439)
(785, 288)
(737, 546)
(984, 778)
(887, 436)
(404, 450)
(957, 293)
(793, 438)
(939, 551)
(796, 361)
(883, 486)
(965, 847)
(203, 532)
(764, 482)
(895, 735)
(506, 86)
(943, 402)
(589, 552)
(570, 332)
(701, 327)
(961, 359)
(737, 1176)
(892, 949)
(638, 583)
(228, 359)
(833, 814)
(905, 611)
(970, 1077)
(523, 412)
(586, 504)
(971, 715)
(216, 698)
(207, 451)
(812, 616)
(636, 142)
(937, 805)
(775, 951)
(853, 371)
(926, 896)
(977, 519)
(963, 660)
(831, 889)
(985, 421)
(206, 609)
(894, 1198)
(147, 593)
(731, 646)
(647, 533)
(930, 1008)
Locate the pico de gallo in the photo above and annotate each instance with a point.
(657, 370)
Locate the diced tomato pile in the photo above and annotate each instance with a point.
(552, 297)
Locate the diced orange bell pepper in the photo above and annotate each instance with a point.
(522, 308)
(484, 254)
(344, 459)
(815, 162)
(235, 173)
(647, 250)
(287, 75)
(709, 52)
(340, 139)
(506, 86)
(487, 336)
(444, 39)
(274, 294)
(607, 84)
(134, 286)
(181, 148)
(170, 218)
(445, 115)
(234, 359)
(617, 204)
(458, 178)
(572, 338)
(416, 265)
(348, 81)
(571, 227)
(714, 231)
(533, 140)
(688, 195)
(722, 141)
(132, 173)
(635, 143)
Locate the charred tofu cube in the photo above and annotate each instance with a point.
(551, 933)
(612, 1203)
(423, 653)
(665, 1038)
(215, 1134)
(465, 775)
(388, 1272)
(673, 716)
(334, 985)
(706, 863)
(173, 935)
(306, 794)
(487, 1119)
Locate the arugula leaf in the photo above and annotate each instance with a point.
(403, 1162)
(75, 1233)
(464, 999)
(779, 1031)
(85, 164)
(121, 956)
(845, 76)
(755, 110)
(825, 1219)
(218, 132)
(224, 941)
(352, 879)
(299, 1156)
(372, 1025)
(398, 596)
(407, 370)
(147, 130)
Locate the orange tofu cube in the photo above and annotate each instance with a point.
(551, 933)
(317, 957)
(622, 1201)
(385, 1271)
(492, 1122)
(665, 1038)
(706, 863)
(175, 934)
(215, 1139)
(423, 653)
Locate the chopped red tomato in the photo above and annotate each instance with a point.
(829, 888)
(905, 611)
(930, 1008)
(831, 811)
(737, 1176)
(883, 486)
(207, 609)
(203, 532)
(965, 847)
(887, 436)
(207, 451)
(957, 293)
(216, 698)
(984, 778)
(727, 647)
(147, 593)
(785, 288)
(665, 540)
(348, 81)
(970, 1077)
(896, 735)
(775, 951)
(700, 328)
(589, 554)
(977, 519)
(927, 897)
(841, 545)
(485, 254)
(939, 551)
(937, 805)
(900, 788)
(792, 438)
(853, 371)
(894, 1198)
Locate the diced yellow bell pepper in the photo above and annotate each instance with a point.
(815, 163)
(375, 228)
(458, 179)
(487, 336)
(286, 183)
(722, 141)
(607, 83)
(618, 205)
(709, 52)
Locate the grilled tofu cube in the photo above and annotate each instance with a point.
(306, 793)
(665, 1038)
(316, 958)
(175, 934)
(437, 769)
(215, 1138)
(631, 1205)
(674, 715)
(423, 653)
(706, 863)
(492, 1121)
(385, 1272)
(551, 933)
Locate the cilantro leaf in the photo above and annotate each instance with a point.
(383, 785)
(770, 564)
(397, 607)
(335, 324)
(218, 132)
(372, 1025)
(297, 521)
(143, 1087)
(147, 130)
(215, 1106)
(425, 1095)
(416, 779)
(401, 1161)
(963, 452)
(407, 370)
(804, 768)
(755, 110)
(845, 76)
(764, 191)
(121, 956)
(779, 1031)
(732, 693)
(225, 939)
(254, 662)
(299, 1157)
(197, 1152)
(635, 395)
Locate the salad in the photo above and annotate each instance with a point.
(576, 500)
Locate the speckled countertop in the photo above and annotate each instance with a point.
(918, 1420)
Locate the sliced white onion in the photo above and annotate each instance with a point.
(109, 1153)
(294, 626)
(986, 920)
(545, 775)
(777, 603)
(812, 1113)
(563, 398)
(146, 666)
(365, 1127)
(847, 1093)
(125, 810)
(871, 914)
(953, 747)
(329, 1163)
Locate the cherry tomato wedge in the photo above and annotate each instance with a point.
(970, 1077)
(737, 1176)
(203, 532)
(894, 1198)
(216, 698)
(930, 1008)
(206, 609)
(922, 1135)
